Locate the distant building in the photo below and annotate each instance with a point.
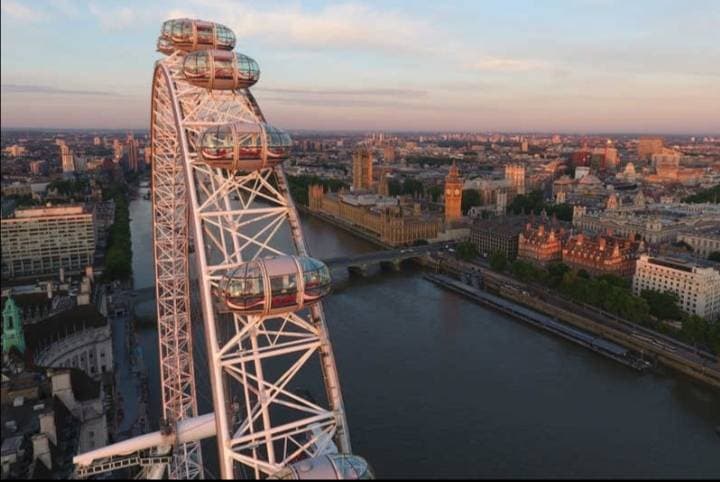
(117, 150)
(384, 183)
(378, 217)
(133, 154)
(602, 254)
(654, 223)
(80, 337)
(68, 162)
(540, 245)
(501, 202)
(453, 195)
(41, 241)
(362, 169)
(48, 416)
(15, 150)
(666, 158)
(97, 141)
(581, 171)
(515, 173)
(697, 286)
(13, 336)
(389, 154)
(38, 168)
(17, 189)
(647, 146)
(702, 242)
(500, 234)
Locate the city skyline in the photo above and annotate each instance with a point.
(374, 275)
(575, 67)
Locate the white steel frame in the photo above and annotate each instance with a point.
(170, 241)
(262, 424)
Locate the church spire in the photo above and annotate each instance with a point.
(13, 335)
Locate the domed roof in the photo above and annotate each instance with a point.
(589, 179)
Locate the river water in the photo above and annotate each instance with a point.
(436, 386)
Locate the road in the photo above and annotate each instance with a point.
(132, 416)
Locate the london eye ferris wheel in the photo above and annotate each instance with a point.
(218, 185)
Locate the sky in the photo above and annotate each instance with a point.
(585, 66)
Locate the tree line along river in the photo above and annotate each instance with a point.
(436, 386)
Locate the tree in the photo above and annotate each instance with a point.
(394, 187)
(711, 195)
(498, 261)
(299, 186)
(662, 305)
(435, 192)
(694, 330)
(556, 271)
(714, 256)
(527, 203)
(467, 251)
(525, 271)
(470, 198)
(563, 212)
(118, 259)
(412, 186)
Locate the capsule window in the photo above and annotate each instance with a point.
(177, 29)
(247, 68)
(245, 288)
(223, 66)
(205, 34)
(167, 29)
(187, 30)
(217, 143)
(316, 277)
(284, 290)
(249, 145)
(225, 37)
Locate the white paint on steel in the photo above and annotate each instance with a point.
(261, 422)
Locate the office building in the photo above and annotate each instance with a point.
(40, 241)
(67, 160)
(696, 286)
(497, 235)
(647, 146)
(515, 174)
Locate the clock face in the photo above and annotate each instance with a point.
(457, 192)
(448, 192)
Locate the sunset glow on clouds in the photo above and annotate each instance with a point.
(583, 65)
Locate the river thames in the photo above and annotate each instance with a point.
(436, 386)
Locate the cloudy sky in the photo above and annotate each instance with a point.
(510, 65)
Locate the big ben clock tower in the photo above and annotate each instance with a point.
(453, 195)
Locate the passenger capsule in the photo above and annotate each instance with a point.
(220, 69)
(327, 467)
(274, 285)
(244, 146)
(187, 35)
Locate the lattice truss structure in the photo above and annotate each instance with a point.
(257, 364)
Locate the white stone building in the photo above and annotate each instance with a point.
(697, 286)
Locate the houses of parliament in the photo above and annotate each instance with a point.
(368, 207)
